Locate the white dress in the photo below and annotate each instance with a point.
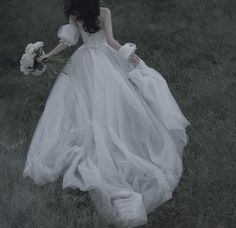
(110, 128)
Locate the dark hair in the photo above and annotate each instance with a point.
(86, 11)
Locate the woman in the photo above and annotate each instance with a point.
(110, 125)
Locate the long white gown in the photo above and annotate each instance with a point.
(110, 128)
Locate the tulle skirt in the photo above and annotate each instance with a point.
(112, 129)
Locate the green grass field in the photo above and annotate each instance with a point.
(192, 43)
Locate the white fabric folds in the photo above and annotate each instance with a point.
(111, 128)
(69, 34)
(126, 50)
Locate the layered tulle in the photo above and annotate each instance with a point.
(112, 129)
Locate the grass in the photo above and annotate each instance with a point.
(192, 43)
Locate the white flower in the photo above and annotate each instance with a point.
(31, 48)
(27, 63)
(38, 45)
(22, 69)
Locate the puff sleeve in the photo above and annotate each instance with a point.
(127, 50)
(69, 34)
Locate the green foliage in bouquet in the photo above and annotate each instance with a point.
(55, 65)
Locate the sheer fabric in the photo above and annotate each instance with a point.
(110, 128)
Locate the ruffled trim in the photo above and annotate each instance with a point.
(127, 50)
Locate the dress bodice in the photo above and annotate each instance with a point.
(93, 39)
(70, 34)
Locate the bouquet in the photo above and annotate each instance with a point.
(30, 66)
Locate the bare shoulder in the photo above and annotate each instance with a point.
(105, 10)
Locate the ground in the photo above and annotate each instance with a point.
(192, 43)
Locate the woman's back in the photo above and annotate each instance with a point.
(105, 34)
(93, 39)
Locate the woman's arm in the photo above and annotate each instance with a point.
(60, 47)
(109, 34)
(108, 30)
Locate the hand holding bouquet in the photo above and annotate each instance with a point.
(35, 62)
(29, 63)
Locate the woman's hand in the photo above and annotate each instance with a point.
(42, 58)
(134, 58)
